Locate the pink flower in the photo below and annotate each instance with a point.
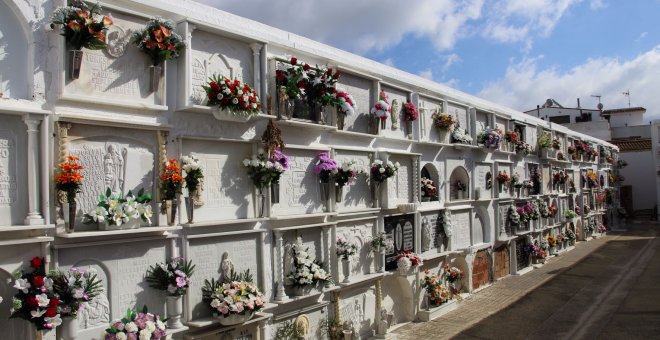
(239, 307)
(181, 281)
(223, 308)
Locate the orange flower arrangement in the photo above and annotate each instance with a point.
(68, 178)
(171, 180)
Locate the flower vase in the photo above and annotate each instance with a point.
(477, 193)
(375, 194)
(427, 302)
(69, 211)
(383, 124)
(319, 112)
(260, 204)
(235, 319)
(190, 208)
(275, 193)
(46, 334)
(348, 334)
(459, 194)
(346, 269)
(409, 128)
(174, 311)
(325, 191)
(339, 193)
(340, 120)
(290, 108)
(170, 211)
(75, 63)
(380, 260)
(553, 250)
(69, 328)
(156, 77)
(302, 290)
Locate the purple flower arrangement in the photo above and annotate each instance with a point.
(172, 277)
(326, 167)
(136, 325)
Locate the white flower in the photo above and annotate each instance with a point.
(22, 285)
(78, 293)
(120, 336)
(42, 300)
(37, 313)
(246, 162)
(145, 211)
(219, 96)
(253, 105)
(269, 164)
(98, 214)
(254, 163)
(227, 90)
(150, 326)
(145, 334)
(53, 322)
(381, 170)
(131, 327)
(160, 325)
(234, 101)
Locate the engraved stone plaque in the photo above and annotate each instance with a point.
(402, 230)
(461, 224)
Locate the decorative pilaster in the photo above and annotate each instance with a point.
(335, 299)
(34, 216)
(379, 296)
(63, 148)
(416, 179)
(256, 62)
(162, 156)
(280, 295)
(327, 248)
(263, 330)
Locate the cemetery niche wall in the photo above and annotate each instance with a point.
(330, 208)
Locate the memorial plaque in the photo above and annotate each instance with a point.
(461, 226)
(8, 182)
(430, 234)
(483, 180)
(426, 109)
(360, 309)
(460, 113)
(482, 121)
(361, 91)
(357, 193)
(402, 191)
(401, 229)
(299, 185)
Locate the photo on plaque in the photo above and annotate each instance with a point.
(401, 229)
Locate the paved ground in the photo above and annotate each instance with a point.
(607, 288)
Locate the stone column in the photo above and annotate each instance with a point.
(327, 249)
(335, 299)
(256, 61)
(379, 296)
(263, 330)
(280, 295)
(34, 216)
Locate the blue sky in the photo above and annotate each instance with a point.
(514, 52)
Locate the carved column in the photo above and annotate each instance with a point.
(256, 62)
(263, 330)
(162, 157)
(335, 296)
(379, 296)
(280, 295)
(63, 148)
(34, 216)
(327, 249)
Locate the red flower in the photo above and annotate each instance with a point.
(294, 60)
(38, 280)
(37, 262)
(107, 21)
(53, 302)
(32, 301)
(306, 67)
(215, 86)
(166, 32)
(51, 312)
(74, 25)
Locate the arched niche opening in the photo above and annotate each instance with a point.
(459, 182)
(430, 190)
(15, 59)
(481, 228)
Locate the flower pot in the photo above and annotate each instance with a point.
(174, 312)
(303, 290)
(325, 191)
(340, 120)
(375, 194)
(348, 334)
(75, 63)
(235, 319)
(409, 128)
(69, 210)
(459, 194)
(380, 260)
(346, 270)
(319, 114)
(131, 224)
(260, 204)
(170, 211)
(156, 77)
(46, 334)
(68, 330)
(339, 193)
(275, 193)
(226, 115)
(190, 208)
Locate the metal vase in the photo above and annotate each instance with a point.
(275, 193)
(260, 200)
(375, 194)
(340, 120)
(319, 113)
(190, 208)
(346, 270)
(70, 225)
(170, 211)
(290, 108)
(156, 77)
(325, 191)
(409, 128)
(75, 63)
(339, 193)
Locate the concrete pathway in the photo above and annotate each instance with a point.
(607, 288)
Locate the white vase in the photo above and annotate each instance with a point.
(346, 270)
(303, 290)
(348, 334)
(380, 263)
(69, 328)
(131, 224)
(235, 319)
(459, 194)
(226, 115)
(174, 312)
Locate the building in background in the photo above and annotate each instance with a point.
(655, 146)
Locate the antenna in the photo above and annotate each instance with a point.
(627, 94)
(599, 106)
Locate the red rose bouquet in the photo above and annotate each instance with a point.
(36, 301)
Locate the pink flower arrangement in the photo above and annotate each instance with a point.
(453, 274)
(237, 297)
(382, 108)
(326, 167)
(410, 112)
(407, 260)
(345, 103)
(136, 325)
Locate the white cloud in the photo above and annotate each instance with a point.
(597, 4)
(388, 62)
(524, 86)
(515, 20)
(641, 36)
(362, 26)
(451, 59)
(427, 73)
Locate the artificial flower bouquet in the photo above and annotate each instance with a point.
(172, 277)
(118, 209)
(346, 172)
(522, 148)
(136, 325)
(515, 181)
(453, 274)
(36, 301)
(381, 242)
(192, 173)
(490, 138)
(345, 103)
(512, 136)
(382, 108)
(159, 40)
(460, 186)
(551, 241)
(75, 288)
(556, 143)
(306, 269)
(293, 78)
(280, 163)
(513, 216)
(321, 86)
(560, 156)
(82, 25)
(503, 177)
(263, 171)
(601, 228)
(407, 260)
(442, 121)
(380, 171)
(345, 249)
(570, 214)
(545, 141)
(429, 189)
(410, 113)
(232, 95)
(436, 291)
(236, 294)
(171, 181)
(460, 136)
(570, 234)
(69, 177)
(326, 167)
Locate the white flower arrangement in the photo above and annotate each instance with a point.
(306, 271)
(237, 297)
(117, 209)
(345, 102)
(345, 249)
(459, 135)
